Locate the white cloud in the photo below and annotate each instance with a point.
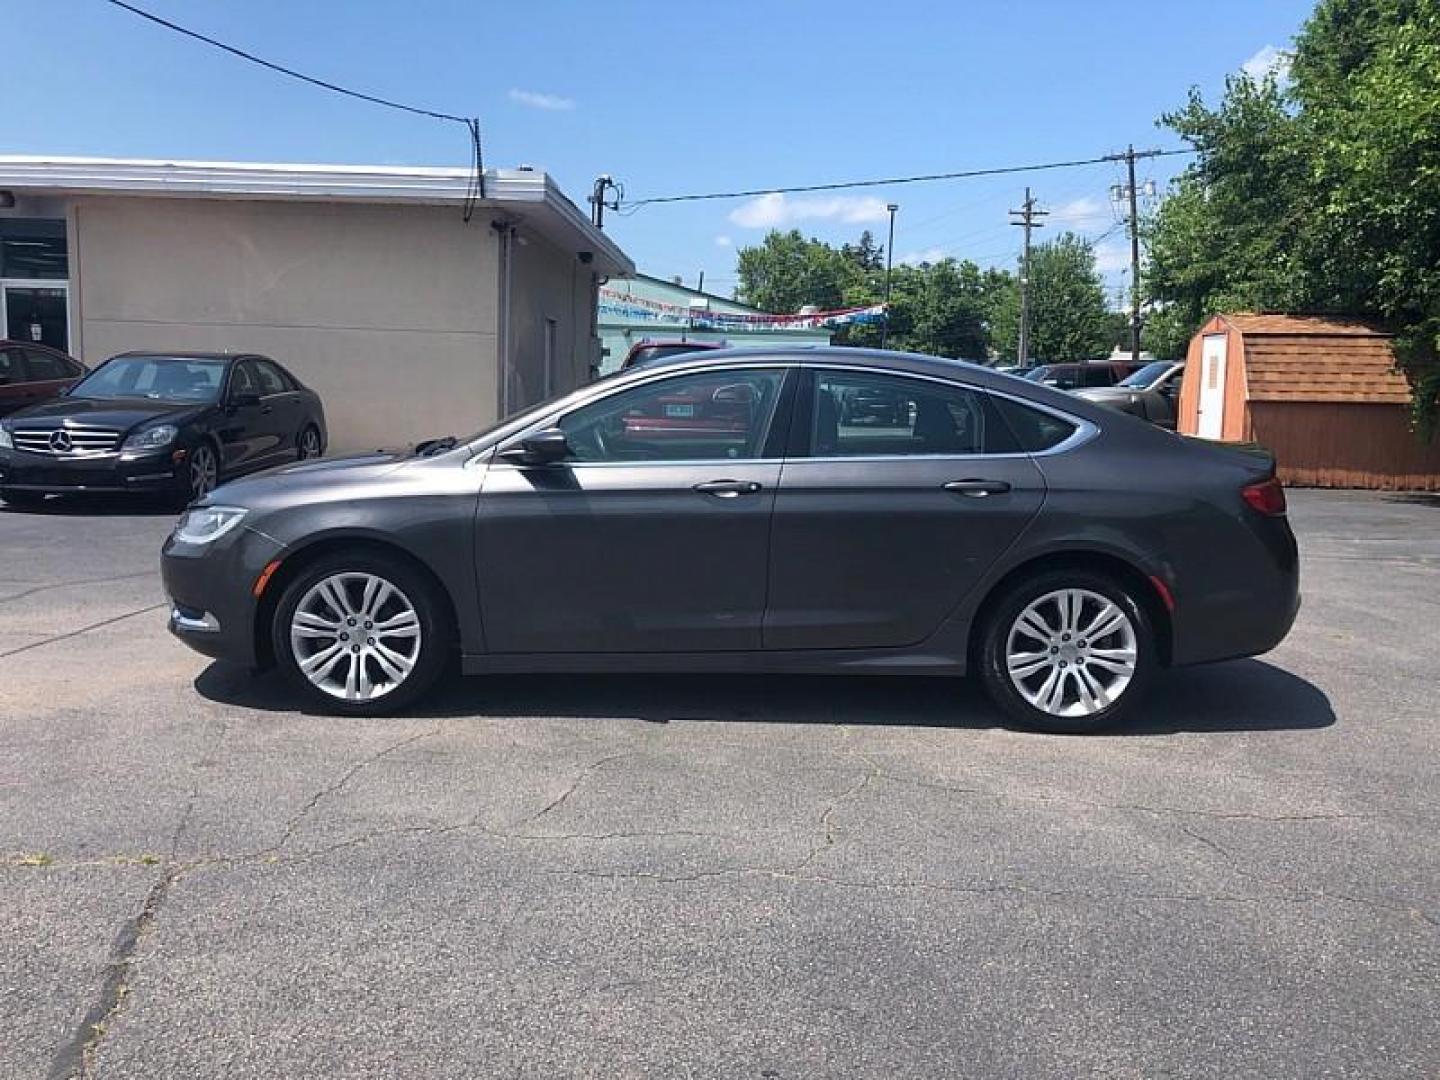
(534, 100)
(1268, 61)
(1080, 213)
(723, 241)
(928, 255)
(1112, 258)
(775, 210)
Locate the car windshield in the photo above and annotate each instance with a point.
(1145, 376)
(159, 378)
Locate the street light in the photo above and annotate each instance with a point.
(889, 259)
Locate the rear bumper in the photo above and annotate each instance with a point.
(43, 472)
(211, 590)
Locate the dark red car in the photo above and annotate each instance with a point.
(32, 373)
(653, 349)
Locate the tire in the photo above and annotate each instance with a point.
(368, 681)
(22, 500)
(1099, 680)
(201, 474)
(308, 443)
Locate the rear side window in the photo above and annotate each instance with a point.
(270, 377)
(11, 370)
(45, 367)
(1035, 431)
(1099, 375)
(863, 414)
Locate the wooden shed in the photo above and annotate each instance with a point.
(1322, 393)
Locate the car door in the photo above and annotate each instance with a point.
(280, 417)
(653, 536)
(240, 429)
(15, 390)
(880, 530)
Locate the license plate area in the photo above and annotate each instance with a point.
(679, 411)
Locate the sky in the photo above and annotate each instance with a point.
(668, 99)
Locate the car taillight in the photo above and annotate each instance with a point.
(1267, 497)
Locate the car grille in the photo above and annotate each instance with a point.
(72, 441)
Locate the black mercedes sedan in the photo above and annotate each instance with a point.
(172, 423)
(715, 513)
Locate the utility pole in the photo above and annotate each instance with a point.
(1130, 194)
(889, 259)
(1027, 215)
(598, 205)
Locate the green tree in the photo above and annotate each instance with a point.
(1069, 318)
(787, 271)
(1319, 195)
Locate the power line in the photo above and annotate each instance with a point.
(476, 188)
(917, 179)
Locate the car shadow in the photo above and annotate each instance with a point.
(97, 504)
(1242, 695)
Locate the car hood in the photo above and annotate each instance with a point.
(121, 414)
(311, 481)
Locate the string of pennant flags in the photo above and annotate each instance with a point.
(618, 305)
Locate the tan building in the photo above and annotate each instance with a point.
(367, 282)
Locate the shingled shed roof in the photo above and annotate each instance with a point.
(1308, 358)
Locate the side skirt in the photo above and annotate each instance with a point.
(804, 662)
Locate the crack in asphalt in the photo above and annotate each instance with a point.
(330, 789)
(83, 630)
(8, 597)
(581, 777)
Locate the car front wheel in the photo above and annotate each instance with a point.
(1068, 651)
(361, 634)
(201, 473)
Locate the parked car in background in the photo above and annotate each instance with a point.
(1061, 551)
(1078, 376)
(649, 351)
(174, 423)
(1149, 393)
(32, 373)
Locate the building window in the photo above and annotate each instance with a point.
(34, 281)
(33, 249)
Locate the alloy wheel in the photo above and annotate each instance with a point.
(1071, 652)
(355, 636)
(309, 444)
(204, 471)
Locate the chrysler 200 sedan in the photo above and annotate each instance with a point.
(1064, 552)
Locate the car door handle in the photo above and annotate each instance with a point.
(727, 489)
(978, 489)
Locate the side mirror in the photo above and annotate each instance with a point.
(246, 399)
(548, 447)
(735, 394)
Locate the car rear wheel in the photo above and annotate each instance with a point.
(1068, 651)
(361, 634)
(307, 445)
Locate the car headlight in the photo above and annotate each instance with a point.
(6, 442)
(206, 524)
(150, 439)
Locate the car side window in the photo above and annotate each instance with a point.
(1099, 375)
(11, 369)
(698, 416)
(271, 380)
(1035, 431)
(242, 380)
(44, 366)
(860, 414)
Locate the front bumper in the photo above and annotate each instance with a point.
(211, 590)
(24, 471)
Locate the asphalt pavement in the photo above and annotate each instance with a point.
(716, 877)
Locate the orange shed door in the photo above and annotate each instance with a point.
(1211, 420)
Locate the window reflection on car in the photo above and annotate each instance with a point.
(154, 378)
(1146, 376)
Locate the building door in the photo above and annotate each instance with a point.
(36, 312)
(1211, 421)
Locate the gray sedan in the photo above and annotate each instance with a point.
(1150, 393)
(717, 514)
